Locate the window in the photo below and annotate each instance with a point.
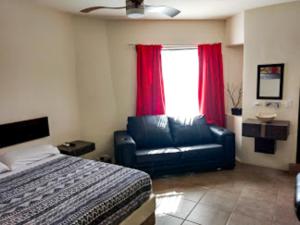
(180, 73)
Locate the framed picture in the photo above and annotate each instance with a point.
(270, 81)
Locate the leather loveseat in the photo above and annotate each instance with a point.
(162, 145)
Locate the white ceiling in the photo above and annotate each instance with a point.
(190, 9)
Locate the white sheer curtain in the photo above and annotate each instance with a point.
(180, 73)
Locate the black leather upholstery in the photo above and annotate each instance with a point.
(150, 131)
(158, 155)
(125, 148)
(225, 138)
(202, 152)
(150, 145)
(190, 131)
(297, 196)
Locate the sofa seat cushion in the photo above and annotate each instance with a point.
(190, 131)
(150, 131)
(158, 155)
(202, 152)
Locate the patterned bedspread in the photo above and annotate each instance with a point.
(69, 190)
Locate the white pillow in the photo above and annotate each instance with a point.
(22, 157)
(3, 168)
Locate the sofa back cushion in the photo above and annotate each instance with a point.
(190, 131)
(150, 131)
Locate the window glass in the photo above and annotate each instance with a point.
(180, 73)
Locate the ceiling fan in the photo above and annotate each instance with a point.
(137, 8)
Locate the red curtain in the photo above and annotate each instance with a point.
(211, 83)
(150, 86)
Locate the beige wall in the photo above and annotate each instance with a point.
(37, 68)
(272, 35)
(234, 40)
(235, 30)
(96, 94)
(233, 72)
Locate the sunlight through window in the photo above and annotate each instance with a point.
(168, 203)
(180, 72)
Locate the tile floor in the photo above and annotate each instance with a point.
(247, 195)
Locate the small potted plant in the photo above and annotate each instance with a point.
(235, 95)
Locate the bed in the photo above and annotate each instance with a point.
(38, 185)
(69, 190)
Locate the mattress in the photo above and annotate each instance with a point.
(71, 190)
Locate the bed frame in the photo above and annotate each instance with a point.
(150, 220)
(23, 131)
(144, 215)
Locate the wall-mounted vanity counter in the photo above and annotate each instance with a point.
(266, 134)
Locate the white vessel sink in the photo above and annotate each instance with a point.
(266, 117)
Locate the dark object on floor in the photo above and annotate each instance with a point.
(76, 148)
(236, 111)
(297, 196)
(105, 158)
(162, 145)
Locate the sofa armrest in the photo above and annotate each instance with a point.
(125, 148)
(226, 138)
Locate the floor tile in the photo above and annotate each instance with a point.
(163, 219)
(210, 181)
(207, 215)
(285, 223)
(192, 193)
(285, 215)
(263, 195)
(261, 183)
(175, 206)
(240, 219)
(259, 210)
(235, 187)
(168, 195)
(161, 185)
(189, 223)
(285, 198)
(192, 180)
(220, 199)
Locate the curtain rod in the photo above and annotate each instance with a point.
(194, 45)
(174, 46)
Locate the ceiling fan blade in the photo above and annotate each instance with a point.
(169, 11)
(90, 9)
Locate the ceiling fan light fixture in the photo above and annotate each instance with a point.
(136, 9)
(135, 13)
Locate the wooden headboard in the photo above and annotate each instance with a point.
(23, 131)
